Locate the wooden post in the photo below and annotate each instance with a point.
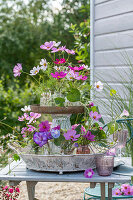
(110, 186)
(31, 189)
(102, 191)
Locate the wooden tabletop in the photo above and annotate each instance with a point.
(19, 172)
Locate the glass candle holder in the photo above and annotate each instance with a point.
(104, 165)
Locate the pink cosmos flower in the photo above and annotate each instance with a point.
(17, 70)
(125, 188)
(88, 173)
(6, 187)
(84, 78)
(70, 51)
(95, 116)
(31, 128)
(101, 128)
(47, 45)
(44, 126)
(60, 61)
(116, 192)
(71, 135)
(63, 48)
(76, 68)
(124, 113)
(58, 75)
(11, 190)
(54, 50)
(83, 130)
(89, 136)
(33, 117)
(111, 152)
(24, 129)
(24, 117)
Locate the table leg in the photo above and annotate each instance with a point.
(102, 191)
(110, 186)
(31, 189)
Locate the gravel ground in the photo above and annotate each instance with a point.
(55, 191)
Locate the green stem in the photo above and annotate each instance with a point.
(32, 77)
(8, 126)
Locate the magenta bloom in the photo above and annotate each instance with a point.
(17, 70)
(60, 61)
(75, 126)
(95, 116)
(70, 51)
(111, 152)
(89, 136)
(88, 173)
(84, 78)
(91, 104)
(58, 75)
(11, 190)
(47, 45)
(44, 126)
(17, 190)
(116, 192)
(40, 138)
(125, 188)
(63, 48)
(56, 128)
(76, 68)
(71, 135)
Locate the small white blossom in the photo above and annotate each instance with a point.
(56, 44)
(85, 66)
(57, 68)
(70, 75)
(35, 70)
(43, 64)
(26, 109)
(98, 86)
(124, 113)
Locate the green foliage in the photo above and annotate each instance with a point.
(73, 95)
(59, 101)
(16, 157)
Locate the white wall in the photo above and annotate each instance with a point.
(112, 44)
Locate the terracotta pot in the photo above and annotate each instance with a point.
(83, 150)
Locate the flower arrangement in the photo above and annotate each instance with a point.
(59, 81)
(9, 193)
(43, 134)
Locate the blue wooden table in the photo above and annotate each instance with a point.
(19, 173)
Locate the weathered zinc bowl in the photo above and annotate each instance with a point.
(56, 163)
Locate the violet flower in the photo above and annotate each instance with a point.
(60, 61)
(88, 173)
(91, 104)
(76, 68)
(89, 136)
(116, 192)
(70, 51)
(95, 116)
(55, 133)
(44, 126)
(17, 70)
(71, 135)
(47, 45)
(40, 138)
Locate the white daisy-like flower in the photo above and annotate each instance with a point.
(35, 70)
(56, 44)
(26, 109)
(43, 64)
(85, 66)
(98, 86)
(57, 68)
(70, 75)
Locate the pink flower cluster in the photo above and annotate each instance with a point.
(26, 130)
(54, 47)
(31, 118)
(9, 193)
(17, 69)
(125, 189)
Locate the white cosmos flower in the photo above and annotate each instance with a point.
(26, 109)
(85, 66)
(98, 86)
(70, 75)
(56, 44)
(124, 113)
(57, 68)
(35, 70)
(43, 64)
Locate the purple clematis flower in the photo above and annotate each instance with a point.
(40, 138)
(95, 116)
(58, 75)
(17, 70)
(89, 136)
(71, 135)
(44, 126)
(88, 173)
